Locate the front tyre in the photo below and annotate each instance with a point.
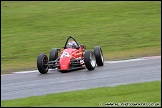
(42, 63)
(53, 54)
(89, 59)
(99, 56)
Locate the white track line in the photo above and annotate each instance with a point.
(25, 72)
(120, 61)
(137, 59)
(28, 71)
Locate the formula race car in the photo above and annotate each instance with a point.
(72, 56)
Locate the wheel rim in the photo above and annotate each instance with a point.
(93, 60)
(45, 60)
(101, 56)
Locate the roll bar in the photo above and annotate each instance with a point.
(70, 37)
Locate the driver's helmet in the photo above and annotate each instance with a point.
(72, 44)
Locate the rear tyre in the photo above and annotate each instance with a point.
(53, 54)
(99, 55)
(89, 59)
(42, 65)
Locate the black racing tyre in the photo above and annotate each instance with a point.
(89, 60)
(53, 54)
(42, 61)
(99, 55)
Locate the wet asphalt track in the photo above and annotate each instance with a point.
(111, 74)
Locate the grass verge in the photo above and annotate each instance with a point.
(123, 29)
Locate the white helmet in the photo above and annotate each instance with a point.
(72, 44)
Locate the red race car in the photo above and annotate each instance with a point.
(72, 56)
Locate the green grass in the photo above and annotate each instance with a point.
(123, 29)
(149, 92)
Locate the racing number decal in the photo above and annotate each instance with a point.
(65, 54)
